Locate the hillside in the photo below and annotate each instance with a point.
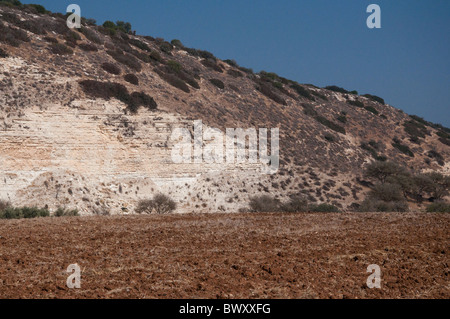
(86, 119)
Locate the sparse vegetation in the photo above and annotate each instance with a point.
(374, 98)
(402, 148)
(337, 89)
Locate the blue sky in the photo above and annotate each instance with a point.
(323, 42)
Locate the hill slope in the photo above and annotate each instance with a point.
(101, 147)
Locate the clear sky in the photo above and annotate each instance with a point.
(323, 42)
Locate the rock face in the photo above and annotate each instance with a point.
(61, 146)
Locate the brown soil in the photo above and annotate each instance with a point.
(227, 256)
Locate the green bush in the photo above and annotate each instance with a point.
(62, 212)
(139, 44)
(39, 8)
(324, 208)
(166, 47)
(177, 43)
(173, 80)
(336, 89)
(295, 205)
(386, 192)
(302, 91)
(266, 89)
(356, 103)
(372, 109)
(174, 66)
(439, 207)
(382, 170)
(23, 212)
(374, 98)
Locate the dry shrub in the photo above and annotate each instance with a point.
(111, 68)
(61, 49)
(131, 78)
(125, 59)
(218, 83)
(88, 47)
(161, 204)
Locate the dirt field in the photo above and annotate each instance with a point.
(227, 256)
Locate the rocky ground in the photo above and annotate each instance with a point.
(227, 256)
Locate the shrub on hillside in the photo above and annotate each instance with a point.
(88, 47)
(382, 170)
(212, 64)
(295, 205)
(166, 47)
(62, 212)
(302, 91)
(177, 43)
(218, 83)
(142, 99)
(61, 49)
(374, 98)
(336, 89)
(12, 36)
(330, 124)
(402, 148)
(139, 44)
(3, 53)
(323, 208)
(264, 203)
(125, 59)
(266, 89)
(439, 207)
(356, 103)
(372, 109)
(91, 35)
(131, 78)
(111, 68)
